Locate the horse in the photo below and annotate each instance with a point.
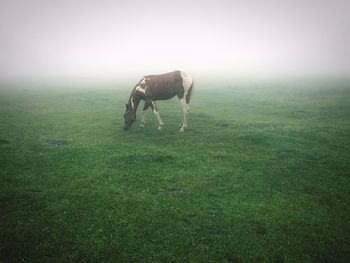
(159, 87)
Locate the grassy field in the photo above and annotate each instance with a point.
(262, 174)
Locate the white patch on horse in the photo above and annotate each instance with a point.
(186, 82)
(143, 81)
(132, 102)
(140, 89)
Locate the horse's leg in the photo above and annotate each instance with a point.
(156, 113)
(187, 111)
(185, 108)
(143, 118)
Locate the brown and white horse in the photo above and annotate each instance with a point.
(159, 87)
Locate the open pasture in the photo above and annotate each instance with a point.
(261, 174)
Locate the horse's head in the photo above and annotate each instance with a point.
(129, 116)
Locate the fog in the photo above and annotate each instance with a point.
(117, 39)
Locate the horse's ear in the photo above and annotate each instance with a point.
(127, 106)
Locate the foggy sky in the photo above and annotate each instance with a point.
(102, 38)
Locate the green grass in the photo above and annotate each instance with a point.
(272, 185)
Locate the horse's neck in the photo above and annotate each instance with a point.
(134, 100)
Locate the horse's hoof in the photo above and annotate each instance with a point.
(142, 126)
(182, 129)
(160, 127)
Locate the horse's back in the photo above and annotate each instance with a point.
(164, 86)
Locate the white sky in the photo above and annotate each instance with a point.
(46, 38)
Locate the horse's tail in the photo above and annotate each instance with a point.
(189, 93)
